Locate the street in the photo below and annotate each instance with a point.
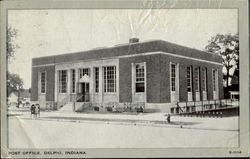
(54, 133)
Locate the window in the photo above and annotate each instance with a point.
(43, 82)
(214, 80)
(96, 79)
(73, 80)
(63, 81)
(139, 78)
(84, 71)
(189, 79)
(173, 76)
(109, 78)
(197, 81)
(204, 79)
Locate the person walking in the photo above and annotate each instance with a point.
(37, 110)
(168, 118)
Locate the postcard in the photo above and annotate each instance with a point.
(124, 79)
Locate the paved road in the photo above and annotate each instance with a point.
(26, 133)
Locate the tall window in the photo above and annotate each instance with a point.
(189, 79)
(73, 80)
(204, 79)
(84, 71)
(197, 81)
(173, 76)
(96, 79)
(109, 78)
(139, 78)
(43, 82)
(214, 80)
(63, 81)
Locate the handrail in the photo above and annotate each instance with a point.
(207, 105)
(79, 97)
(179, 107)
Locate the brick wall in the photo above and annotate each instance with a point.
(158, 78)
(152, 74)
(50, 82)
(183, 64)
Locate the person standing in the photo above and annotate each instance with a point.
(168, 118)
(32, 111)
(37, 110)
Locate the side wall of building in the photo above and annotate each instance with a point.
(36, 95)
(158, 78)
(183, 64)
(152, 77)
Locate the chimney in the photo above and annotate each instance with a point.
(133, 40)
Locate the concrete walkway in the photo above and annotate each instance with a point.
(144, 119)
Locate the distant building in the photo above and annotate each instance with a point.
(24, 97)
(155, 73)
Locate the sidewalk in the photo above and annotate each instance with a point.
(143, 119)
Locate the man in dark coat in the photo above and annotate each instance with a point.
(32, 110)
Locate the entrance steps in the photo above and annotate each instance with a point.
(83, 106)
(66, 108)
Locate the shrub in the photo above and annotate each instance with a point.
(96, 108)
(109, 109)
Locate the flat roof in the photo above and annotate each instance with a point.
(129, 49)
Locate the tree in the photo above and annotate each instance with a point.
(14, 84)
(228, 47)
(12, 33)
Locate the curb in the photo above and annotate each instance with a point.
(129, 123)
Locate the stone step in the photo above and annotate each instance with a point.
(66, 108)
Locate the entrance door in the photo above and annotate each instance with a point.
(85, 92)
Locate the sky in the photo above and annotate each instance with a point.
(54, 32)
